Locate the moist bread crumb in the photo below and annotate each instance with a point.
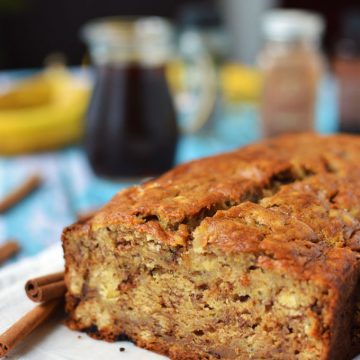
(252, 254)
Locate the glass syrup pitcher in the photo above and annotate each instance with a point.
(131, 123)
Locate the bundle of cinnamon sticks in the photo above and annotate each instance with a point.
(49, 290)
(46, 288)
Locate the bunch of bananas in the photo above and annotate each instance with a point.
(43, 112)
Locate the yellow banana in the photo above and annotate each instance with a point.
(29, 92)
(32, 125)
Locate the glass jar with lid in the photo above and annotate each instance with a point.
(347, 70)
(292, 66)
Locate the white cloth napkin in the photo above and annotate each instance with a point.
(53, 340)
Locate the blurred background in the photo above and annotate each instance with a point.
(33, 29)
(93, 104)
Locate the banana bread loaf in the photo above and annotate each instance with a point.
(252, 254)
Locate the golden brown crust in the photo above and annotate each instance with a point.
(167, 205)
(292, 202)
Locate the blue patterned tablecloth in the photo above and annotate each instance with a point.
(70, 187)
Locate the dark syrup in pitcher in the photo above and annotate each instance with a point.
(131, 126)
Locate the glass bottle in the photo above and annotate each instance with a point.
(131, 128)
(347, 70)
(292, 67)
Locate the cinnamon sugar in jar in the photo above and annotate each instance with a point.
(292, 67)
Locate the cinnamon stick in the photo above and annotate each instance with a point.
(45, 288)
(24, 326)
(8, 249)
(18, 194)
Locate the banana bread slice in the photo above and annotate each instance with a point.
(252, 254)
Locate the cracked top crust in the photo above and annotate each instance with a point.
(172, 206)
